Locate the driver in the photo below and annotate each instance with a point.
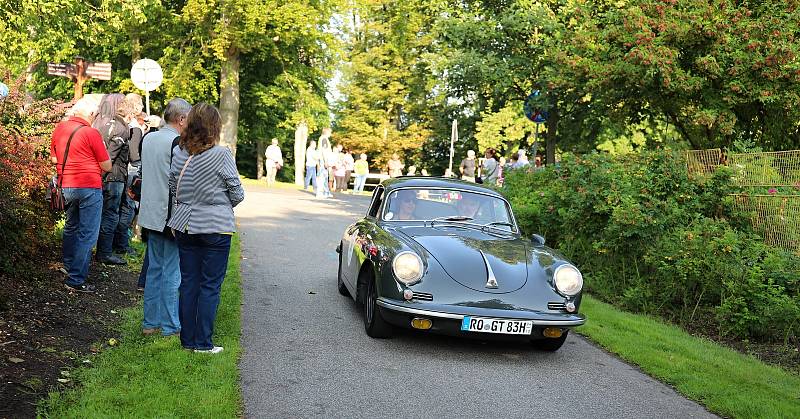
(407, 203)
(468, 206)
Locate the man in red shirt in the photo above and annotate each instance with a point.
(79, 175)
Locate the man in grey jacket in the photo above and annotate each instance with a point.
(163, 271)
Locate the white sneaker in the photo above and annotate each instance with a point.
(214, 350)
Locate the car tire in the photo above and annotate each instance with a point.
(550, 344)
(374, 324)
(340, 283)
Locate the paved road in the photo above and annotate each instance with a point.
(305, 353)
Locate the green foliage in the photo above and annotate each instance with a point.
(652, 240)
(25, 220)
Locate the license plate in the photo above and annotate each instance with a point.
(504, 326)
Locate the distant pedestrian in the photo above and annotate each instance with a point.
(79, 168)
(361, 168)
(349, 166)
(312, 161)
(501, 168)
(412, 170)
(274, 161)
(325, 153)
(115, 115)
(163, 275)
(395, 166)
(206, 186)
(490, 167)
(522, 159)
(467, 167)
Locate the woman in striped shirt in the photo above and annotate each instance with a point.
(206, 187)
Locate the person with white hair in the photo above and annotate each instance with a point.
(274, 162)
(468, 166)
(522, 159)
(80, 157)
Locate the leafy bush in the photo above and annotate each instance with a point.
(651, 239)
(25, 221)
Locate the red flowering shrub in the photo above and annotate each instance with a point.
(25, 221)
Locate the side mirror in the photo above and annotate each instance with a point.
(537, 239)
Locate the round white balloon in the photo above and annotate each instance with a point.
(146, 74)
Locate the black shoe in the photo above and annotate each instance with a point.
(88, 289)
(112, 260)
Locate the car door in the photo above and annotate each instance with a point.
(356, 239)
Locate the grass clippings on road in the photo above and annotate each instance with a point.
(725, 381)
(155, 377)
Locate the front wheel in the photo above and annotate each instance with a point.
(550, 344)
(374, 324)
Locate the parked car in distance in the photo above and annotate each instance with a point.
(447, 256)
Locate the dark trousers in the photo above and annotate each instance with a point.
(347, 175)
(204, 261)
(116, 219)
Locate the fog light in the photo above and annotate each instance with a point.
(552, 332)
(422, 324)
(570, 306)
(408, 294)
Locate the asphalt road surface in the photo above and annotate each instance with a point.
(305, 353)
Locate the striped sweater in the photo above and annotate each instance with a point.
(208, 191)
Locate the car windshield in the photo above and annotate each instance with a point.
(448, 205)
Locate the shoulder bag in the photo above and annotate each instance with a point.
(56, 195)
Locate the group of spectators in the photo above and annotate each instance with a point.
(329, 168)
(490, 170)
(189, 186)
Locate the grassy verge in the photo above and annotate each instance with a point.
(725, 381)
(154, 377)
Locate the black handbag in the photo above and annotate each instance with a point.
(56, 195)
(135, 188)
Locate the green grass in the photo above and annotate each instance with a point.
(154, 377)
(725, 381)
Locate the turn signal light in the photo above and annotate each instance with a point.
(552, 332)
(422, 324)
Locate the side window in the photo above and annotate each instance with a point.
(377, 198)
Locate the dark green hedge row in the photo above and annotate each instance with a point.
(650, 239)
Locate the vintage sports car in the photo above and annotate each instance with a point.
(447, 256)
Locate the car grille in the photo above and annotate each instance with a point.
(423, 296)
(556, 306)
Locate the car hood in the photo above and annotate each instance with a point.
(463, 253)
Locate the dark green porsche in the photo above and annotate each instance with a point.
(447, 256)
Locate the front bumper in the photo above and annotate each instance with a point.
(447, 318)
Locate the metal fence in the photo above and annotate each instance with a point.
(776, 214)
(780, 168)
(775, 217)
(703, 162)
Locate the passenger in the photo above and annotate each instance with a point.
(468, 205)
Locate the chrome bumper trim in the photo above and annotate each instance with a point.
(441, 315)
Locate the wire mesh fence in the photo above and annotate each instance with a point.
(780, 168)
(703, 162)
(774, 216)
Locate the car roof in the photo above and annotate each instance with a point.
(435, 182)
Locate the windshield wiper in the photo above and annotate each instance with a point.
(494, 224)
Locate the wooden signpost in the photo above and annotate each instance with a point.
(79, 72)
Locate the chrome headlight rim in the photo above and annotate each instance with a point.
(409, 280)
(556, 281)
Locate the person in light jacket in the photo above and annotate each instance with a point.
(206, 186)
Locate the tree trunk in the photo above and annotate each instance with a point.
(260, 150)
(300, 138)
(552, 135)
(136, 48)
(229, 99)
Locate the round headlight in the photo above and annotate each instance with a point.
(568, 280)
(407, 267)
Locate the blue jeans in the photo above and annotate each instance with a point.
(323, 190)
(311, 177)
(163, 280)
(359, 184)
(127, 210)
(204, 261)
(112, 211)
(84, 206)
